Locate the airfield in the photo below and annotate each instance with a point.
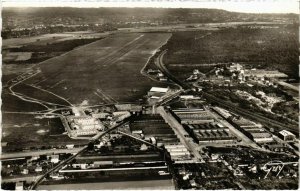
(103, 72)
(106, 71)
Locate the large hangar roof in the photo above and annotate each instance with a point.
(157, 89)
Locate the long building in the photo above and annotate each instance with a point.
(252, 130)
(211, 132)
(192, 116)
(264, 73)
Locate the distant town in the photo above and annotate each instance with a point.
(129, 104)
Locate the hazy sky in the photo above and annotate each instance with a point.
(250, 6)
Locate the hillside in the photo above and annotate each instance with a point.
(29, 17)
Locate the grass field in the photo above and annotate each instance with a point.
(272, 48)
(24, 131)
(104, 71)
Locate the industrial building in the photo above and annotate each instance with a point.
(286, 136)
(178, 152)
(264, 73)
(154, 126)
(252, 130)
(157, 91)
(192, 116)
(82, 125)
(210, 132)
(222, 112)
(134, 108)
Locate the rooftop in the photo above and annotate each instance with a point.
(286, 133)
(158, 89)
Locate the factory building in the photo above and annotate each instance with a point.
(157, 91)
(178, 152)
(192, 116)
(252, 130)
(286, 136)
(154, 126)
(133, 108)
(210, 132)
(264, 73)
(222, 112)
(81, 125)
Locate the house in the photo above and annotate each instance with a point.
(54, 159)
(38, 169)
(19, 186)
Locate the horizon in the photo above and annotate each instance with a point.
(242, 6)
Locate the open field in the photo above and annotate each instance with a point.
(25, 131)
(104, 71)
(273, 48)
(50, 38)
(16, 56)
(18, 60)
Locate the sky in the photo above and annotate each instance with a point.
(248, 6)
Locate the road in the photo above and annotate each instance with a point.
(83, 149)
(159, 63)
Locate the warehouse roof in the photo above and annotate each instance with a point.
(285, 133)
(157, 89)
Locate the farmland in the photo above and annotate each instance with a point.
(104, 71)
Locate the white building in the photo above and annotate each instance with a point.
(19, 186)
(54, 159)
(286, 135)
(157, 91)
